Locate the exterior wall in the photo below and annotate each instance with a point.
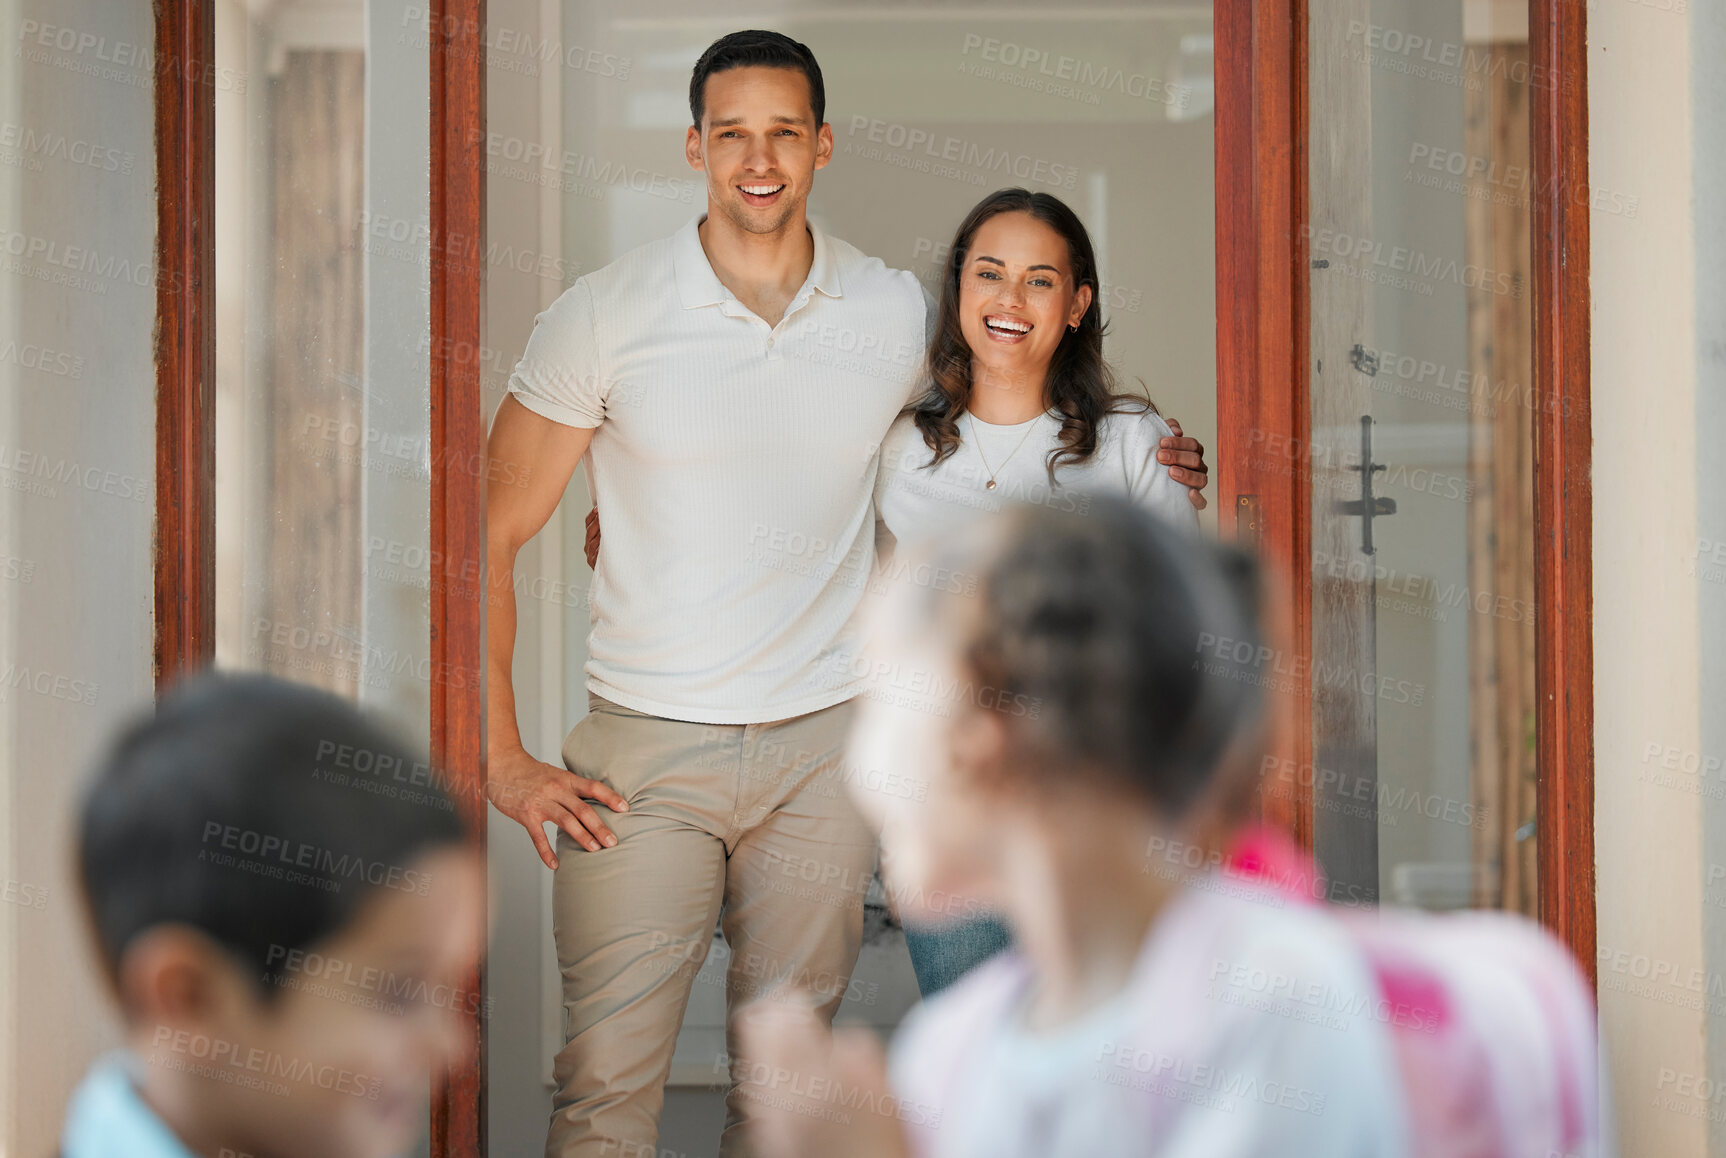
(1655, 109)
(1708, 148)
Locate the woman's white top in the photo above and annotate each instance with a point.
(914, 500)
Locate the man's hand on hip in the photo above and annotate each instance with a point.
(531, 792)
(1185, 458)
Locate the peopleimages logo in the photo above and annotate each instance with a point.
(1443, 593)
(49, 145)
(116, 60)
(221, 1053)
(52, 685)
(577, 172)
(1400, 267)
(275, 852)
(927, 690)
(30, 356)
(1486, 178)
(1087, 76)
(1447, 61)
(1174, 1076)
(511, 49)
(25, 896)
(327, 976)
(924, 146)
(79, 266)
(816, 1095)
(20, 467)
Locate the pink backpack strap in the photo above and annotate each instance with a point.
(1269, 857)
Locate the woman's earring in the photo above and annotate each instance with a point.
(1072, 329)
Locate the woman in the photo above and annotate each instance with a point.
(1022, 407)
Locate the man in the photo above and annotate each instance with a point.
(732, 385)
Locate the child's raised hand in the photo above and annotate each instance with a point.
(812, 1092)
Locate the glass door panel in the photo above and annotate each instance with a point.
(1421, 452)
(323, 433)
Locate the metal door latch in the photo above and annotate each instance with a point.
(1368, 506)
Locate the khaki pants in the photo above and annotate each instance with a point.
(751, 818)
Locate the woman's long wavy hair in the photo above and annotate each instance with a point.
(1080, 385)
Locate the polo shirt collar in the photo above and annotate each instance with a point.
(698, 285)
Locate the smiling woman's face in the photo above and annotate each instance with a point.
(1016, 294)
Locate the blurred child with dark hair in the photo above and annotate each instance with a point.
(1070, 734)
(285, 903)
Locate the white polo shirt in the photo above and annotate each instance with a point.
(733, 467)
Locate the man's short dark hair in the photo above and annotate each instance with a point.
(756, 48)
(260, 812)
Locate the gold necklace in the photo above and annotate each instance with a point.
(978, 443)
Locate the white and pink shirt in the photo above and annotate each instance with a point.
(1251, 1026)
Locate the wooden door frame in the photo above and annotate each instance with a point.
(185, 560)
(1261, 130)
(457, 440)
(1262, 405)
(1563, 477)
(1260, 65)
(185, 538)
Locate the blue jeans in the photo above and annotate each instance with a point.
(941, 954)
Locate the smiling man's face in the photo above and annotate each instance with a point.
(759, 145)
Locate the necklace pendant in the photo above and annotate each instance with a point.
(991, 484)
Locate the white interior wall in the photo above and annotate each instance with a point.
(525, 218)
